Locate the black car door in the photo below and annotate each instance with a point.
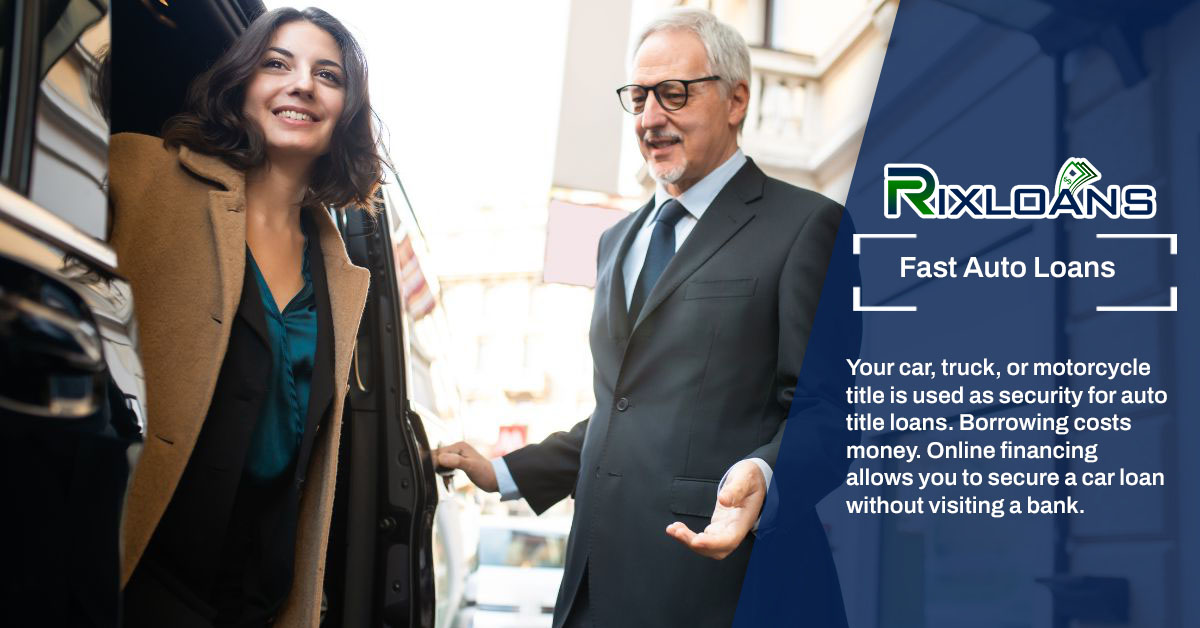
(380, 565)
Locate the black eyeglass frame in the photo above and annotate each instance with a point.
(654, 88)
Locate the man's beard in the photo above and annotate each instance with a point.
(663, 174)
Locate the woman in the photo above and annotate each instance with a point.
(248, 309)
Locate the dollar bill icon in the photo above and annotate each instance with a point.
(1075, 173)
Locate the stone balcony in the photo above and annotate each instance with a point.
(780, 127)
(808, 112)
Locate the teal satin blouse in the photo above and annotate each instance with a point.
(293, 339)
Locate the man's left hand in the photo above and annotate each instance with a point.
(738, 507)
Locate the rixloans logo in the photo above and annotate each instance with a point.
(916, 185)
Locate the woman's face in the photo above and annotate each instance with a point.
(297, 93)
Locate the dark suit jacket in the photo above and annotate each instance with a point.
(702, 379)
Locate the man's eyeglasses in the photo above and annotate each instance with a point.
(672, 94)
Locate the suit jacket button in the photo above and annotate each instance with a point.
(622, 404)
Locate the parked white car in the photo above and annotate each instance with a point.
(519, 565)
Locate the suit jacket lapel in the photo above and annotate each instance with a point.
(618, 313)
(729, 212)
(250, 306)
(321, 391)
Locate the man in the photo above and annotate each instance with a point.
(704, 302)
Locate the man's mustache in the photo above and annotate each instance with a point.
(652, 135)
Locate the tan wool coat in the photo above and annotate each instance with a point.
(180, 234)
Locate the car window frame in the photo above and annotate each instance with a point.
(16, 157)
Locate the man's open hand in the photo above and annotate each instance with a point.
(463, 456)
(738, 507)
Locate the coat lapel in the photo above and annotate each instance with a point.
(228, 221)
(347, 293)
(729, 212)
(618, 313)
(225, 208)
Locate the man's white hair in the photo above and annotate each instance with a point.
(728, 55)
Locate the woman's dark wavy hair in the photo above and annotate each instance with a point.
(348, 174)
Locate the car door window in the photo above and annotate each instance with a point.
(8, 10)
(70, 156)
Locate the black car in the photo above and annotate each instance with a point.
(71, 386)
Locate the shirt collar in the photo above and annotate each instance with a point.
(697, 198)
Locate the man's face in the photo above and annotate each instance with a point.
(681, 147)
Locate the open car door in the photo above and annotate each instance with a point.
(380, 566)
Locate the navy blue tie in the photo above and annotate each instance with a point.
(660, 251)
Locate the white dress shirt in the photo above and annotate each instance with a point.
(696, 201)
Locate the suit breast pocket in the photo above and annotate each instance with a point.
(719, 288)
